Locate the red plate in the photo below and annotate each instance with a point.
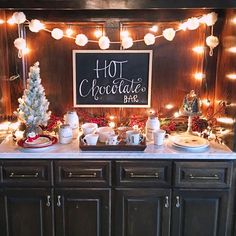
(53, 139)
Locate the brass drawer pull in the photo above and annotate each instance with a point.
(71, 175)
(213, 177)
(155, 175)
(13, 175)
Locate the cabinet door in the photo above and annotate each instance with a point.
(199, 212)
(26, 212)
(142, 212)
(82, 212)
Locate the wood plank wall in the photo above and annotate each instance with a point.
(173, 66)
(225, 87)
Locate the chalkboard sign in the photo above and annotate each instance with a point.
(112, 78)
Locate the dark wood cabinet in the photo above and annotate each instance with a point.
(26, 212)
(142, 212)
(116, 198)
(199, 212)
(83, 212)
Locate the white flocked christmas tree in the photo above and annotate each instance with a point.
(33, 106)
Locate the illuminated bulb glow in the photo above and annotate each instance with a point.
(112, 124)
(231, 76)
(169, 106)
(69, 32)
(135, 127)
(206, 102)
(154, 28)
(5, 125)
(98, 33)
(234, 20)
(176, 114)
(112, 117)
(2, 21)
(198, 49)
(25, 51)
(199, 76)
(226, 120)
(124, 33)
(232, 49)
(11, 21)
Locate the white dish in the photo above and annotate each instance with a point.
(189, 141)
(193, 149)
(39, 142)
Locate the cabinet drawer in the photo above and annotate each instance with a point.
(83, 173)
(27, 173)
(143, 173)
(203, 174)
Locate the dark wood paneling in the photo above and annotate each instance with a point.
(142, 212)
(199, 212)
(26, 212)
(84, 212)
(173, 66)
(114, 4)
(5, 98)
(225, 88)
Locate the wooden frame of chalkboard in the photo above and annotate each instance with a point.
(112, 78)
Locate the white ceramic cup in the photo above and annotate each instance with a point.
(112, 140)
(90, 139)
(89, 128)
(133, 137)
(159, 136)
(104, 133)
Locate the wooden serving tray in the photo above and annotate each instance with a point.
(122, 146)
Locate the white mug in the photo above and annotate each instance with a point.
(65, 134)
(89, 128)
(104, 133)
(159, 136)
(112, 140)
(133, 137)
(90, 139)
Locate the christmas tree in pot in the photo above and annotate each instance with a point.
(33, 106)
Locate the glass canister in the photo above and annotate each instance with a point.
(65, 134)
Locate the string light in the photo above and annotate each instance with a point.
(154, 28)
(169, 34)
(212, 42)
(97, 33)
(231, 76)
(232, 49)
(198, 49)
(81, 40)
(35, 26)
(176, 114)
(169, 106)
(206, 102)
(2, 21)
(199, 76)
(104, 42)
(10, 21)
(234, 20)
(124, 34)
(192, 23)
(25, 51)
(57, 33)
(112, 124)
(149, 39)
(69, 32)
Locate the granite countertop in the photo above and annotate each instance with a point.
(10, 150)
